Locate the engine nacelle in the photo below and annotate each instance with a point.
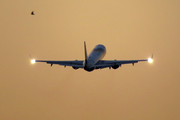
(88, 69)
(75, 67)
(115, 66)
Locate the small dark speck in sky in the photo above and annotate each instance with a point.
(32, 13)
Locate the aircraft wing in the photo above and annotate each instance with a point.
(110, 63)
(75, 63)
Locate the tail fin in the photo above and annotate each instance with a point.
(85, 52)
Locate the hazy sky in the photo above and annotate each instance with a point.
(130, 29)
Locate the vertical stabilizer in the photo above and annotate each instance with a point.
(85, 52)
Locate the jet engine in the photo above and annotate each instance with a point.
(115, 66)
(75, 67)
(88, 69)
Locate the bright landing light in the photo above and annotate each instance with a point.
(33, 61)
(150, 60)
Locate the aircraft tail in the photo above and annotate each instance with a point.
(85, 52)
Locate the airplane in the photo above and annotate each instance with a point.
(94, 60)
(32, 13)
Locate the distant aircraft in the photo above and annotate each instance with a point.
(94, 60)
(32, 13)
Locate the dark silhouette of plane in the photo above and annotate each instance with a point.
(94, 60)
(32, 13)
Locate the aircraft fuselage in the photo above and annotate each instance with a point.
(96, 54)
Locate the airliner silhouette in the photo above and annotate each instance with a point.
(94, 60)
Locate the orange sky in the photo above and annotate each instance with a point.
(129, 29)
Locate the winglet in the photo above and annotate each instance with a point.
(30, 56)
(150, 60)
(32, 60)
(152, 56)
